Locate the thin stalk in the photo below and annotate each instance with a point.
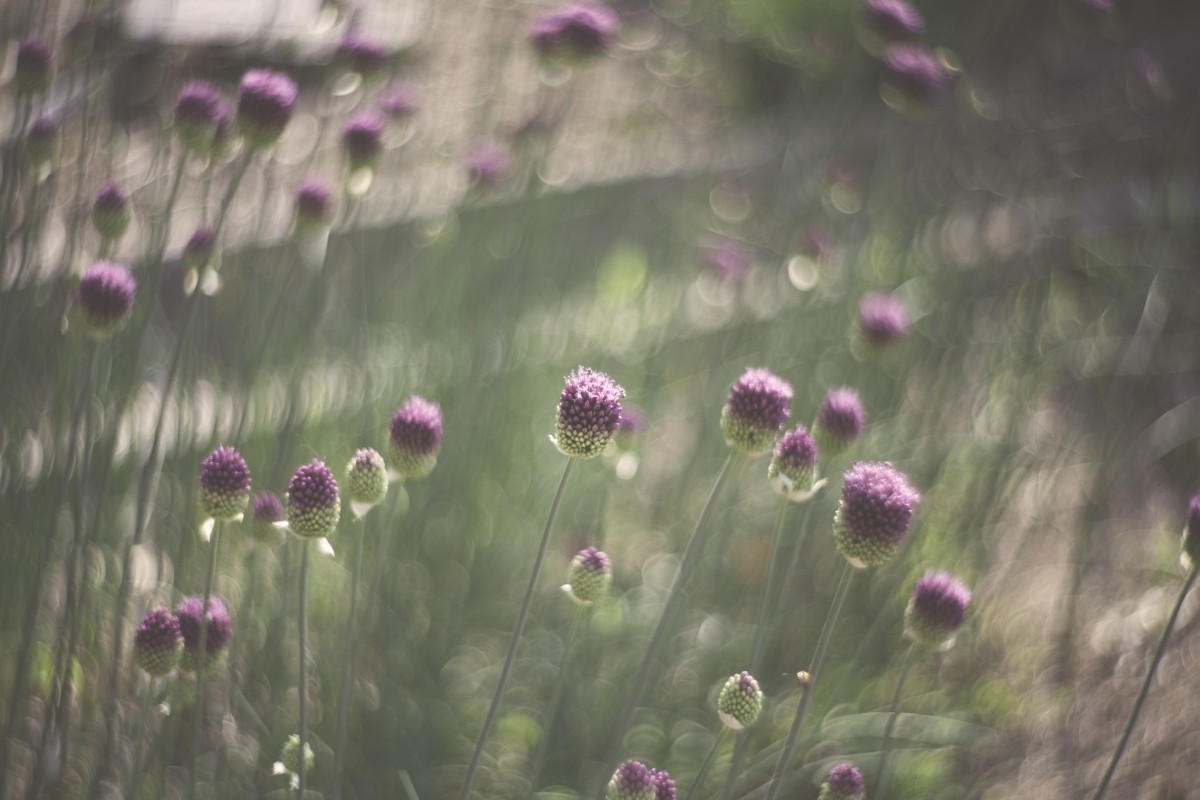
(139, 753)
(1141, 698)
(202, 644)
(814, 671)
(690, 553)
(556, 696)
(706, 763)
(511, 656)
(882, 778)
(303, 688)
(339, 747)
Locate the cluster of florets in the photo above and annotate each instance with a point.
(632, 781)
(35, 66)
(158, 642)
(740, 701)
(589, 411)
(266, 100)
(574, 32)
(589, 575)
(754, 413)
(110, 211)
(266, 512)
(362, 55)
(882, 320)
(103, 300)
(937, 609)
(218, 631)
(793, 468)
(200, 112)
(224, 484)
(844, 782)
(873, 516)
(198, 250)
(839, 421)
(363, 139)
(414, 438)
(366, 478)
(313, 503)
(314, 207)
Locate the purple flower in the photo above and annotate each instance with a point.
(266, 101)
(158, 642)
(400, 101)
(1191, 533)
(793, 468)
(574, 32)
(937, 609)
(631, 781)
(218, 630)
(892, 20)
(199, 248)
(110, 211)
(363, 139)
(630, 427)
(314, 207)
(366, 478)
(839, 421)
(915, 76)
(589, 410)
(415, 438)
(103, 300)
(198, 112)
(740, 701)
(756, 409)
(265, 510)
(664, 787)
(488, 165)
(41, 140)
(882, 320)
(313, 503)
(728, 259)
(844, 782)
(873, 516)
(35, 66)
(361, 54)
(224, 484)
(589, 575)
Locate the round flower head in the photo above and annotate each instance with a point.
(363, 55)
(892, 20)
(265, 511)
(223, 135)
(224, 484)
(110, 211)
(103, 300)
(589, 410)
(728, 259)
(217, 632)
(873, 516)
(589, 575)
(289, 755)
(844, 782)
(575, 32)
(630, 427)
(41, 140)
(314, 207)
(488, 165)
(740, 701)
(664, 787)
(937, 609)
(366, 480)
(915, 76)
(1191, 534)
(313, 503)
(793, 468)
(198, 251)
(198, 112)
(363, 139)
(755, 410)
(35, 66)
(266, 101)
(631, 781)
(400, 101)
(839, 421)
(415, 438)
(882, 320)
(158, 643)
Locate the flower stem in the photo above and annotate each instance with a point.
(704, 765)
(303, 688)
(339, 748)
(882, 778)
(1141, 698)
(556, 696)
(510, 657)
(201, 648)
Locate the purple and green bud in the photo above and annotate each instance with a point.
(892, 20)
(224, 484)
(631, 781)
(313, 503)
(414, 438)
(1191, 534)
(740, 701)
(589, 411)
(793, 468)
(104, 298)
(199, 110)
(35, 66)
(198, 251)
(915, 77)
(366, 479)
(937, 609)
(872, 519)
(363, 140)
(158, 642)
(839, 421)
(844, 782)
(574, 33)
(263, 518)
(882, 320)
(589, 575)
(664, 787)
(41, 141)
(218, 631)
(314, 208)
(289, 755)
(266, 101)
(111, 214)
(362, 55)
(755, 411)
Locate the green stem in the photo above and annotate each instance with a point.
(883, 778)
(556, 696)
(704, 765)
(1141, 698)
(201, 653)
(303, 688)
(339, 748)
(511, 656)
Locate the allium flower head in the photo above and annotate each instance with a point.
(844, 782)
(728, 259)
(415, 438)
(35, 66)
(158, 642)
(218, 631)
(630, 427)
(266, 101)
(198, 251)
(882, 320)
(589, 410)
(664, 787)
(892, 20)
(740, 701)
(361, 54)
(366, 478)
(793, 468)
(872, 518)
(266, 510)
(313, 502)
(400, 101)
(110, 211)
(103, 300)
(289, 755)
(755, 410)
(575, 32)
(1191, 533)
(915, 75)
(589, 575)
(41, 140)
(488, 165)
(631, 781)
(314, 207)
(224, 484)
(937, 609)
(839, 421)
(363, 139)
(198, 112)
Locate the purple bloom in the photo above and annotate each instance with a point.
(366, 478)
(103, 300)
(728, 259)
(892, 20)
(314, 207)
(265, 510)
(415, 438)
(589, 575)
(41, 140)
(740, 701)
(158, 642)
(937, 609)
(199, 248)
(756, 409)
(574, 32)
(198, 112)
(313, 503)
(873, 516)
(400, 101)
(589, 410)
(35, 66)
(793, 468)
(361, 54)
(664, 787)
(844, 782)
(839, 421)
(363, 139)
(110, 211)
(882, 320)
(915, 75)
(224, 484)
(218, 630)
(631, 781)
(266, 101)
(488, 165)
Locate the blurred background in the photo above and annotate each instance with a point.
(718, 189)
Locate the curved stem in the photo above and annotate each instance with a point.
(511, 656)
(303, 688)
(556, 696)
(883, 778)
(201, 653)
(1141, 698)
(704, 765)
(339, 747)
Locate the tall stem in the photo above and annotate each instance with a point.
(303, 688)
(201, 653)
(511, 656)
(339, 747)
(1141, 698)
(704, 765)
(883, 778)
(556, 696)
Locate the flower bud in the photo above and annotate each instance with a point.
(217, 634)
(266, 101)
(35, 66)
(41, 141)
(265, 511)
(158, 642)
(839, 421)
(414, 438)
(873, 516)
(589, 410)
(575, 32)
(366, 479)
(110, 211)
(199, 110)
(882, 321)
(224, 484)
(740, 701)
(589, 575)
(755, 411)
(631, 781)
(844, 782)
(362, 140)
(937, 609)
(103, 300)
(793, 468)
(313, 503)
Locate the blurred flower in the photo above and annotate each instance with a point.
(630, 427)
(740, 701)
(265, 511)
(891, 20)
(400, 101)
(223, 134)
(110, 211)
(218, 630)
(314, 208)
(937, 609)
(198, 250)
(915, 77)
(415, 438)
(873, 516)
(589, 575)
(728, 259)
(224, 484)
(882, 320)
(266, 101)
(363, 139)
(839, 421)
(35, 66)
(631, 781)
(313, 502)
(589, 410)
(793, 468)
(844, 782)
(199, 110)
(488, 165)
(103, 300)
(41, 140)
(158, 642)
(664, 787)
(575, 32)
(1191, 533)
(755, 411)
(361, 54)
(366, 479)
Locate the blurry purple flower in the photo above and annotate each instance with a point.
(631, 781)
(728, 259)
(198, 111)
(217, 634)
(313, 503)
(362, 54)
(198, 250)
(266, 509)
(793, 468)
(740, 701)
(839, 421)
(414, 438)
(158, 642)
(400, 101)
(574, 32)
(937, 609)
(224, 484)
(873, 516)
(844, 782)
(35, 66)
(882, 320)
(892, 20)
(488, 165)
(1191, 533)
(915, 75)
(630, 427)
(266, 101)
(104, 298)
(41, 140)
(589, 410)
(664, 787)
(755, 411)
(110, 211)
(363, 139)
(314, 207)
(589, 575)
